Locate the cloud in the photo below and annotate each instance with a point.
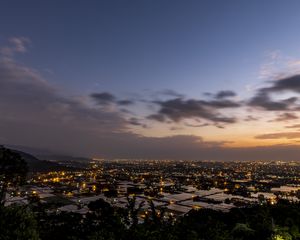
(171, 147)
(20, 44)
(225, 94)
(197, 125)
(16, 45)
(125, 102)
(221, 94)
(157, 117)
(288, 135)
(38, 114)
(171, 93)
(185, 147)
(293, 126)
(106, 98)
(137, 122)
(34, 112)
(285, 117)
(220, 104)
(176, 128)
(250, 118)
(276, 63)
(263, 99)
(286, 84)
(103, 98)
(178, 109)
(217, 110)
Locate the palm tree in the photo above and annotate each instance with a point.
(133, 210)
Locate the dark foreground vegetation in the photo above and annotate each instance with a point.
(104, 222)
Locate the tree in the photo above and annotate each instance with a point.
(282, 233)
(157, 216)
(18, 223)
(133, 210)
(101, 207)
(13, 170)
(243, 231)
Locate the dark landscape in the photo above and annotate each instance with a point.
(149, 120)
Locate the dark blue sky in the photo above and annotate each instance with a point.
(126, 46)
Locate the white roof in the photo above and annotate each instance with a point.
(87, 200)
(208, 192)
(45, 195)
(221, 206)
(178, 197)
(265, 194)
(73, 208)
(179, 208)
(285, 189)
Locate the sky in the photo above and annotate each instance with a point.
(207, 80)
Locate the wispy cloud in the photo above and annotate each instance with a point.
(288, 135)
(278, 65)
(270, 66)
(284, 117)
(294, 126)
(16, 45)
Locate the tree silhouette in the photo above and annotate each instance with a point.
(133, 210)
(17, 222)
(157, 216)
(13, 170)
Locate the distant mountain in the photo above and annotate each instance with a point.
(27, 157)
(30, 150)
(36, 165)
(43, 154)
(64, 158)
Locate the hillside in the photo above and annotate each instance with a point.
(37, 165)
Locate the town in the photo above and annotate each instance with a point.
(176, 187)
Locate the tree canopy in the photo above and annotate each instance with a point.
(13, 170)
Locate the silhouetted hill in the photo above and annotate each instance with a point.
(49, 156)
(45, 160)
(37, 165)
